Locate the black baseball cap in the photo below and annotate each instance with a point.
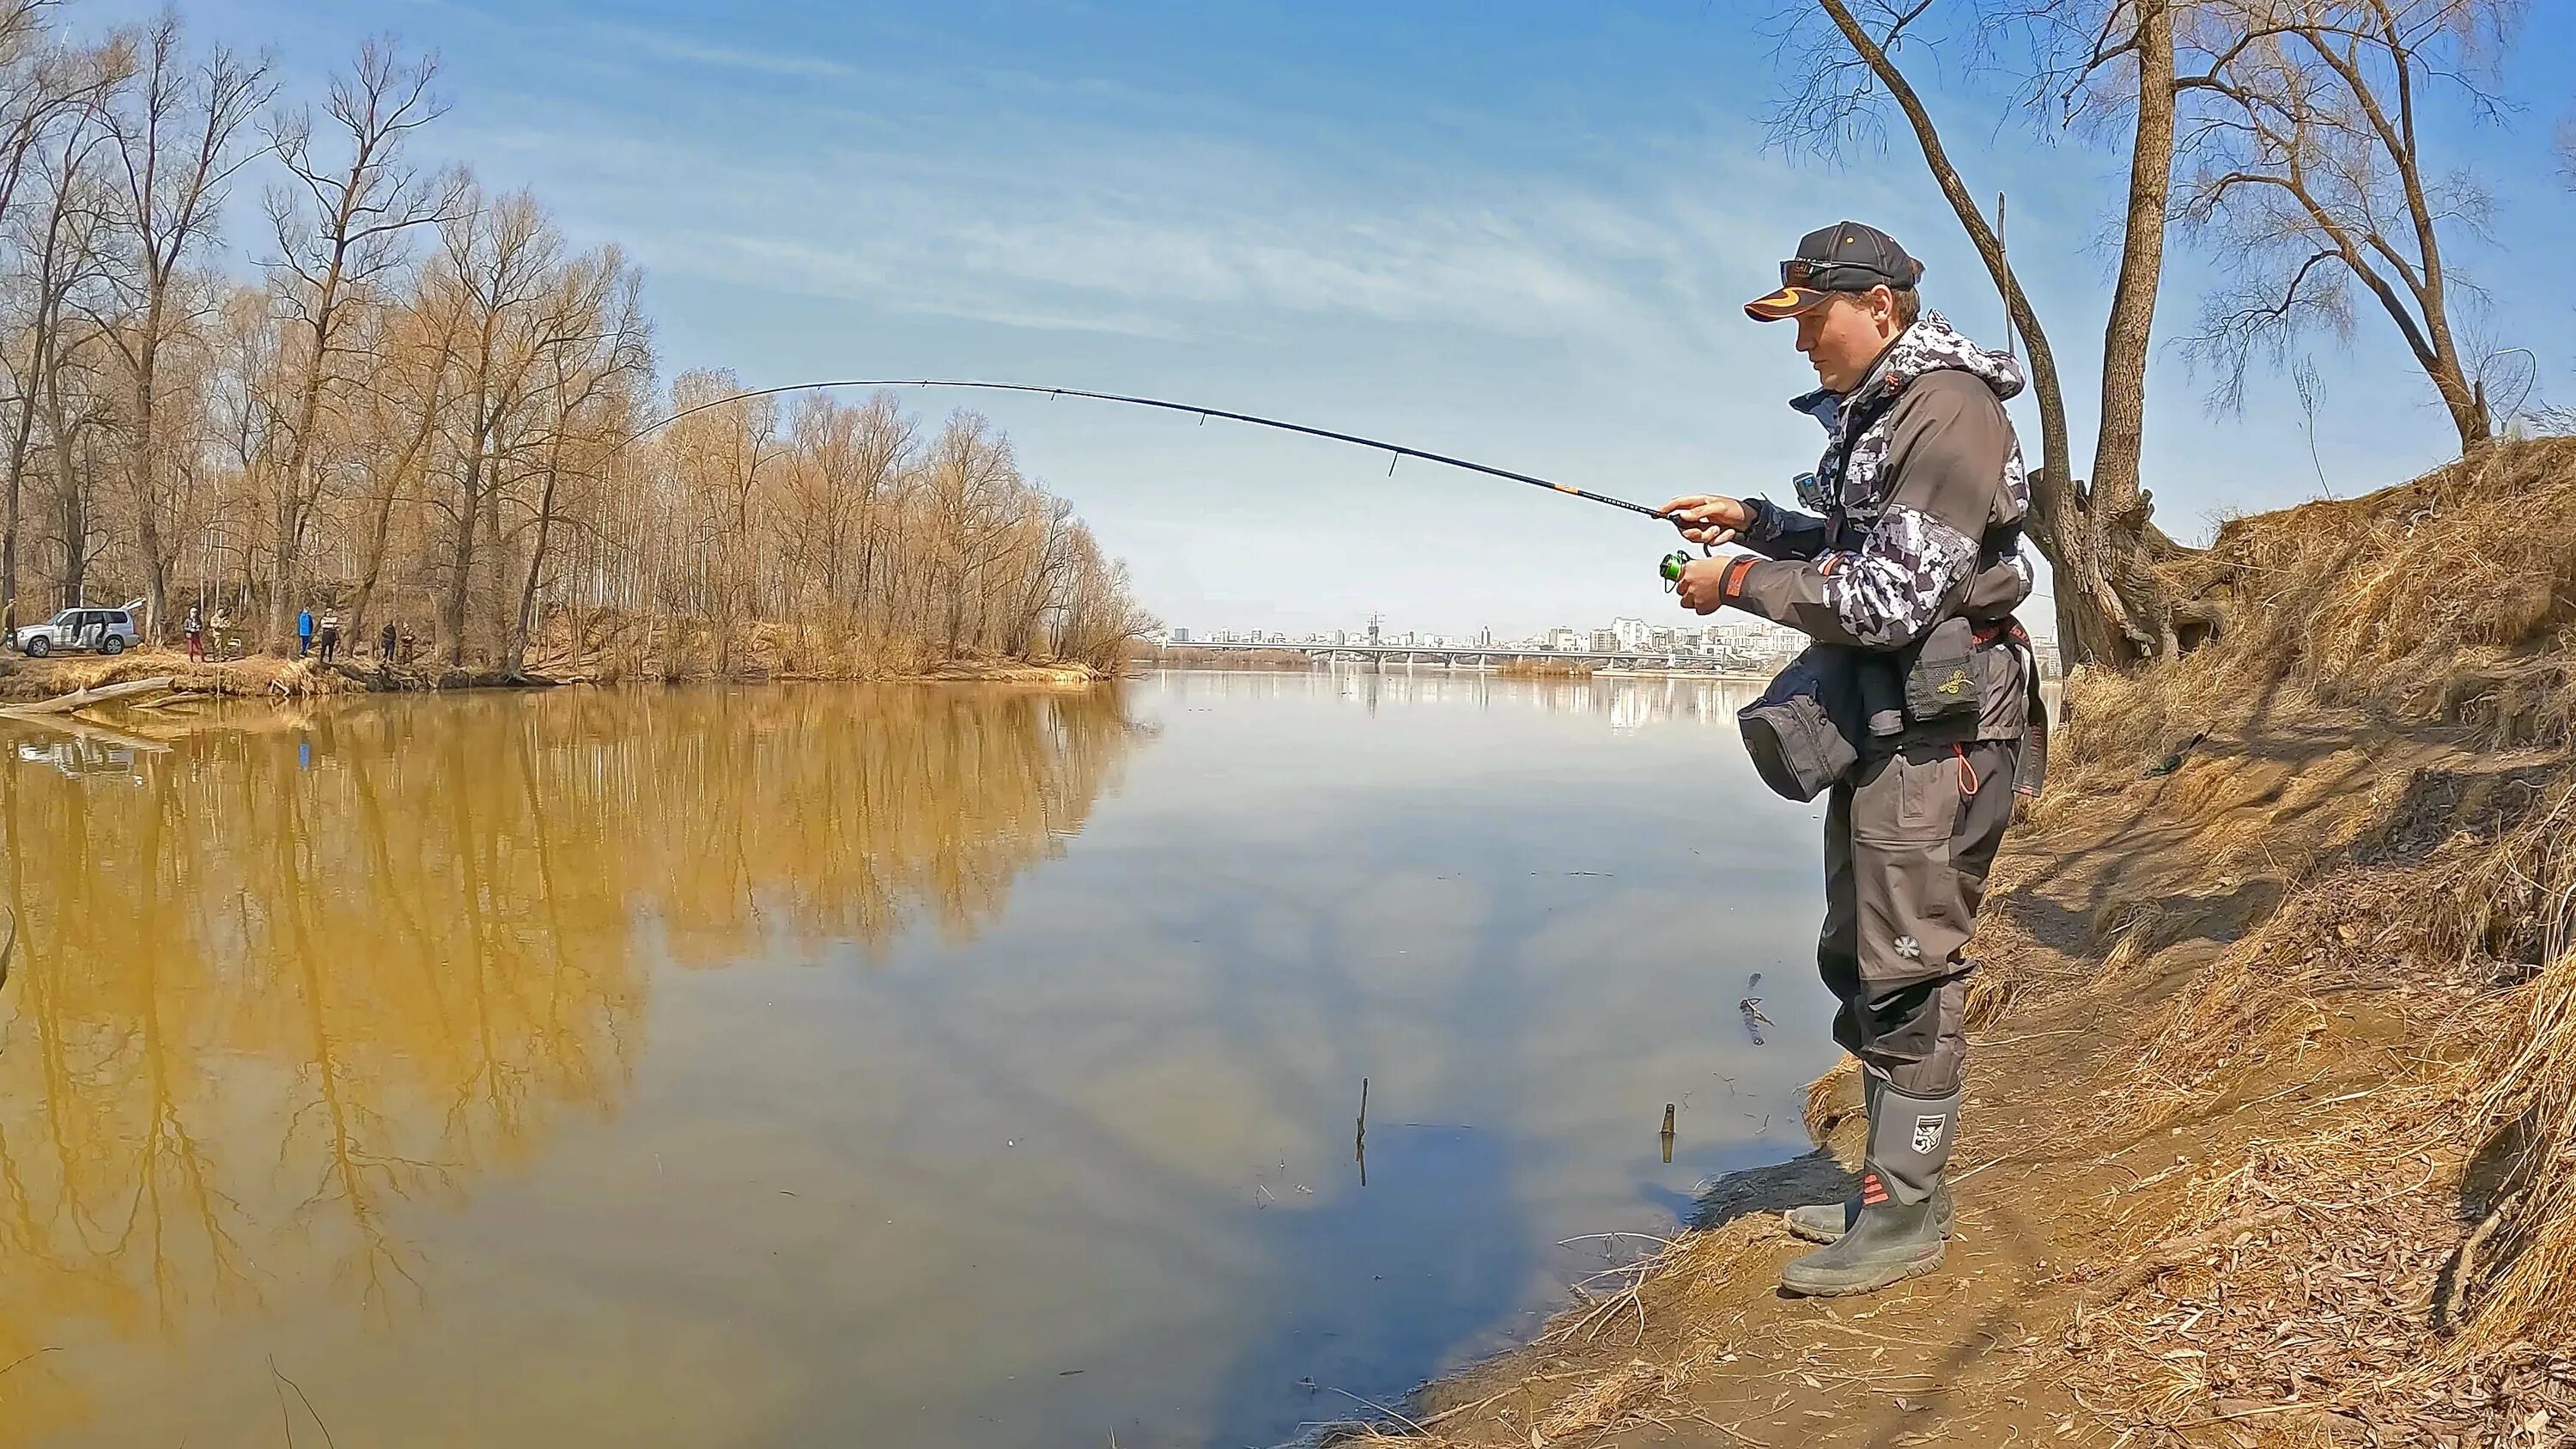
(1844, 257)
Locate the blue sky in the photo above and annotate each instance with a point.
(1515, 232)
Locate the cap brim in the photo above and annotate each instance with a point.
(1785, 303)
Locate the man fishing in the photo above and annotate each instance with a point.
(1903, 557)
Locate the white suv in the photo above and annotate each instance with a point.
(107, 631)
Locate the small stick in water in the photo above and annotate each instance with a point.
(1754, 1020)
(1668, 1132)
(1359, 1142)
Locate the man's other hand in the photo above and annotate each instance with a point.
(1703, 583)
(1708, 518)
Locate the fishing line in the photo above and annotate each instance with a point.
(1202, 413)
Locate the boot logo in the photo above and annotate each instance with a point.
(1927, 1133)
(1909, 948)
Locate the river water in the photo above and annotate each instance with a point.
(897, 1066)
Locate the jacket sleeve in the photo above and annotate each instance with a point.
(1784, 533)
(1948, 444)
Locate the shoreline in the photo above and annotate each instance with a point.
(2150, 1179)
(24, 680)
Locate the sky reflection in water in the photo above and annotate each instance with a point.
(899, 1066)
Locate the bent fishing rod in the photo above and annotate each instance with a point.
(1670, 568)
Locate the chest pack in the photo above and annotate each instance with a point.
(1967, 678)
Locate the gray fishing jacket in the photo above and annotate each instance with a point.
(1917, 507)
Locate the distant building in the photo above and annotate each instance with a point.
(1605, 641)
(1563, 640)
(1631, 633)
(1180, 636)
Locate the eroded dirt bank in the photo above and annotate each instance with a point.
(2272, 1129)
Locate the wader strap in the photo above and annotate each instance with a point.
(2001, 542)
(2032, 777)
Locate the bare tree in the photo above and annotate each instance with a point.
(60, 260)
(406, 402)
(598, 351)
(501, 258)
(42, 87)
(447, 432)
(2101, 541)
(174, 144)
(341, 227)
(2311, 173)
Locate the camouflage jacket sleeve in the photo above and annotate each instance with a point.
(1949, 443)
(1778, 532)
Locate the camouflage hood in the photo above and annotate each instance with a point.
(1847, 478)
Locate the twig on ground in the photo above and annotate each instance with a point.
(1374, 1404)
(2173, 1252)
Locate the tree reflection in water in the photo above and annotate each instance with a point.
(305, 965)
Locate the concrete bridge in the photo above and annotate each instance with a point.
(1480, 657)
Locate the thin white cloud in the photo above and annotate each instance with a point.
(1163, 236)
(665, 45)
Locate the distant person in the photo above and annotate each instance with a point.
(385, 642)
(330, 636)
(303, 633)
(195, 629)
(1903, 554)
(223, 626)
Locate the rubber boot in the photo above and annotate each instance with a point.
(1825, 1221)
(1897, 1233)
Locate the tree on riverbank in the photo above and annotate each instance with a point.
(2288, 136)
(414, 405)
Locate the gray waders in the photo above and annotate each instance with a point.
(1908, 843)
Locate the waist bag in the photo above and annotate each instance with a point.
(1806, 731)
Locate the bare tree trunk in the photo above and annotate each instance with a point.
(526, 621)
(2117, 505)
(451, 613)
(72, 497)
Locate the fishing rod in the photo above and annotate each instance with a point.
(1670, 568)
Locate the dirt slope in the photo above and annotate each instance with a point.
(2272, 1132)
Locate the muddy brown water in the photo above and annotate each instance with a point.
(900, 1066)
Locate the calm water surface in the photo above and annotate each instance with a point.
(882, 1066)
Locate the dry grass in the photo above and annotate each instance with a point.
(2449, 599)
(2422, 1285)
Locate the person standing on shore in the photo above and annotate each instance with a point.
(330, 636)
(303, 632)
(1912, 521)
(385, 644)
(195, 629)
(223, 627)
